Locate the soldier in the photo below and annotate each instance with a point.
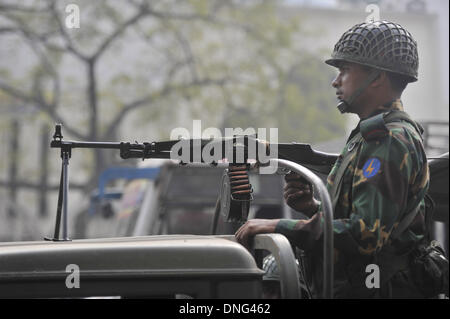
(380, 179)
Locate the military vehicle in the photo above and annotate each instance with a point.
(170, 266)
(200, 266)
(137, 267)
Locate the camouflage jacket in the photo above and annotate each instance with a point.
(386, 178)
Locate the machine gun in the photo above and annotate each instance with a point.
(240, 153)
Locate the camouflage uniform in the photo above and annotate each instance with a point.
(386, 178)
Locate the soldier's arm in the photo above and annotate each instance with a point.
(385, 170)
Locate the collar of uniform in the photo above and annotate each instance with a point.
(354, 132)
(397, 105)
(391, 105)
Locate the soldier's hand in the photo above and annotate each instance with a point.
(253, 227)
(298, 194)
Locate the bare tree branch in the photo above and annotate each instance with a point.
(11, 7)
(51, 5)
(8, 30)
(60, 40)
(50, 69)
(16, 93)
(212, 19)
(69, 44)
(186, 17)
(33, 40)
(116, 34)
(188, 53)
(43, 37)
(19, 26)
(152, 98)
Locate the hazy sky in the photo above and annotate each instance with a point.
(438, 7)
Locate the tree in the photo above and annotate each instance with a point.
(226, 62)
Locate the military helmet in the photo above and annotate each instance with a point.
(382, 45)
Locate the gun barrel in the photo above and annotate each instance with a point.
(234, 149)
(76, 144)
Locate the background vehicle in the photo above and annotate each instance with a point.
(173, 199)
(109, 206)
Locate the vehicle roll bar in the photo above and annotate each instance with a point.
(327, 210)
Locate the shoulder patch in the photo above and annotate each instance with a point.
(371, 167)
(374, 128)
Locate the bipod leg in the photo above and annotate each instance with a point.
(65, 194)
(60, 203)
(61, 209)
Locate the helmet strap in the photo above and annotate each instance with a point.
(344, 105)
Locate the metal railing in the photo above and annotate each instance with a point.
(327, 209)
